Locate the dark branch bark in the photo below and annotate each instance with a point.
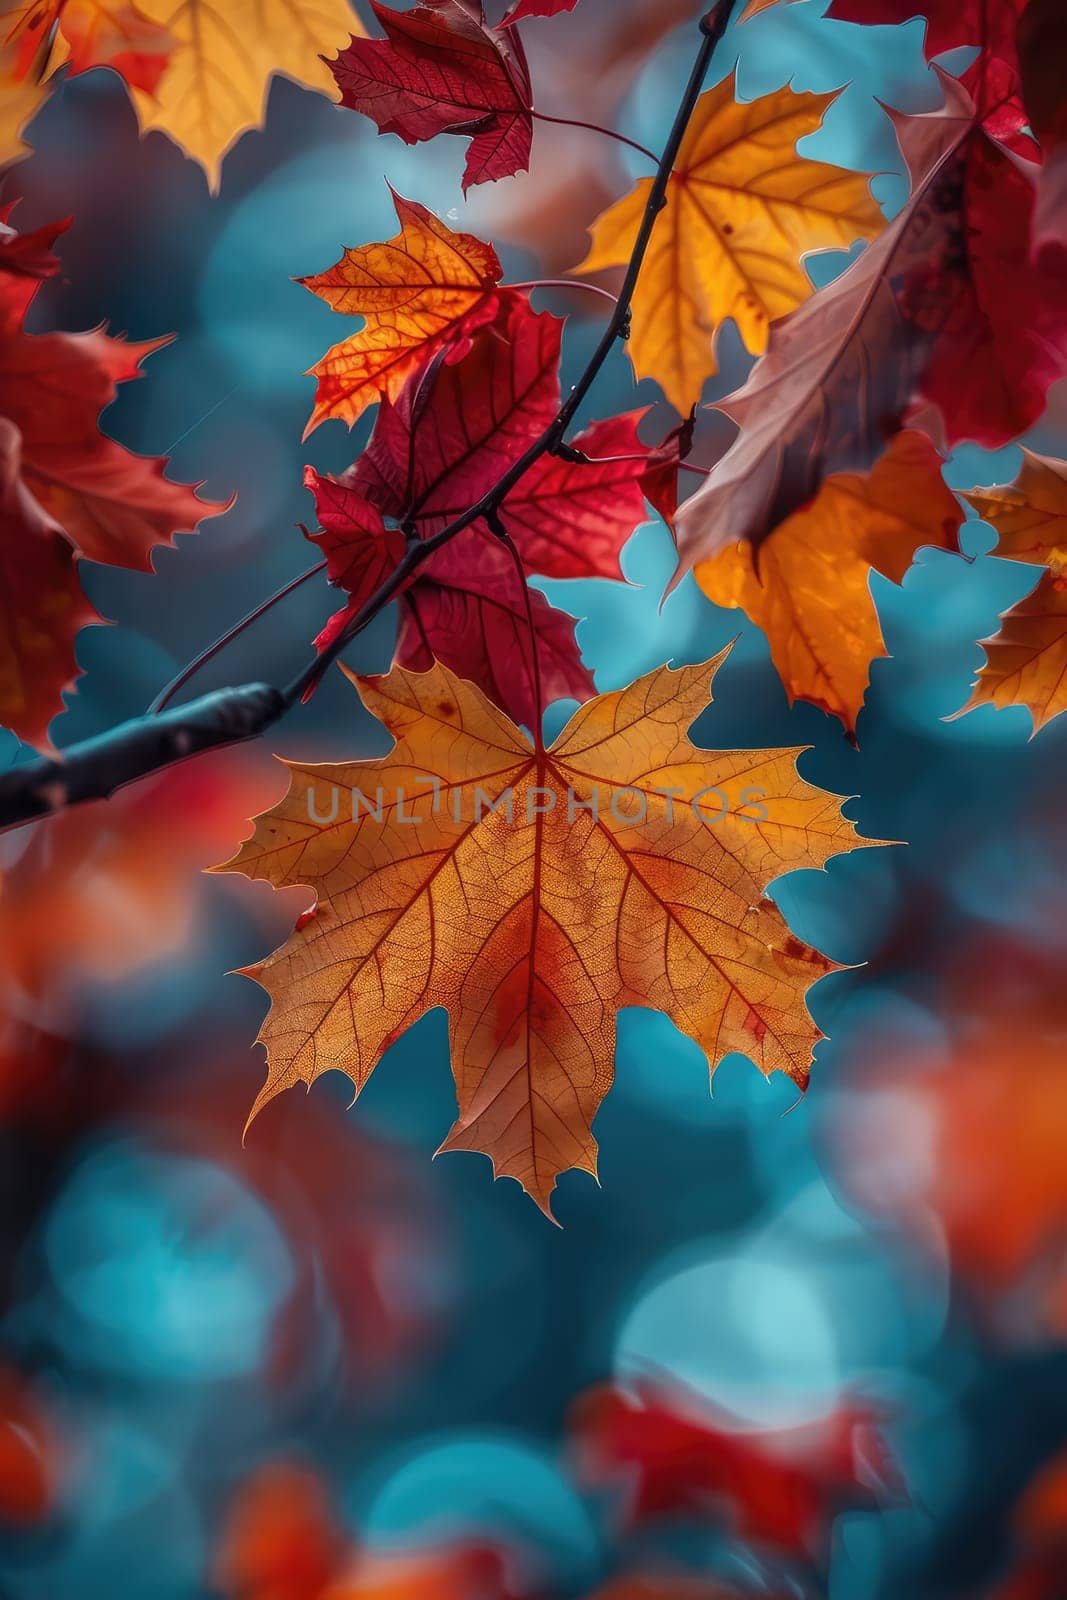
(94, 769)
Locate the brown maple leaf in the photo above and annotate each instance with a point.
(1026, 660)
(534, 893)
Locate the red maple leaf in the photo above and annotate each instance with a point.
(780, 1487)
(1001, 312)
(441, 69)
(452, 434)
(993, 78)
(26, 255)
(537, 8)
(66, 489)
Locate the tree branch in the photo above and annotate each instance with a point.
(94, 769)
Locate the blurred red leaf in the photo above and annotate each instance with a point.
(101, 891)
(27, 255)
(67, 489)
(441, 69)
(1040, 1528)
(670, 1586)
(779, 1487)
(29, 1453)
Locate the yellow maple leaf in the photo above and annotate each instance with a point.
(1026, 661)
(743, 209)
(225, 51)
(427, 287)
(808, 586)
(478, 877)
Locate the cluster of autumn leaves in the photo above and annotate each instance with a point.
(950, 325)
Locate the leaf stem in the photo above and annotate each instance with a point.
(501, 534)
(594, 127)
(165, 696)
(565, 283)
(683, 466)
(95, 768)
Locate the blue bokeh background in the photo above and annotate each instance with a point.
(146, 1272)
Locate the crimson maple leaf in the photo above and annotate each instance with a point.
(66, 489)
(449, 438)
(537, 8)
(993, 78)
(442, 69)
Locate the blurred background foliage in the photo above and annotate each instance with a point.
(321, 1366)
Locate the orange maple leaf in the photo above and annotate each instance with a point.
(743, 208)
(808, 587)
(535, 893)
(1026, 661)
(427, 288)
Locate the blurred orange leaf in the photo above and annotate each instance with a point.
(282, 1541)
(970, 1145)
(90, 33)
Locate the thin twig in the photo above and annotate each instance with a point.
(166, 695)
(97, 767)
